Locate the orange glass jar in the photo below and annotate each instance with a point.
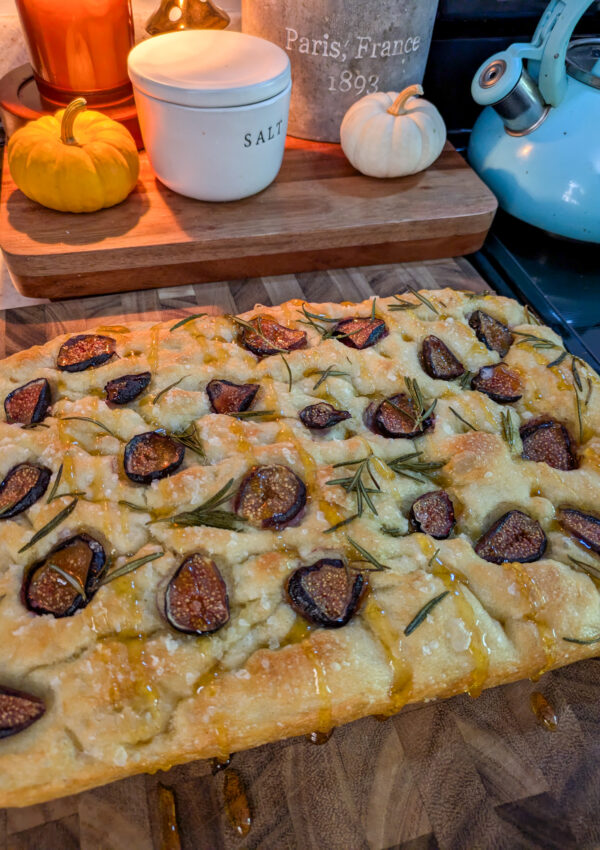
(79, 47)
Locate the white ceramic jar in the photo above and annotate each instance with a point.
(213, 109)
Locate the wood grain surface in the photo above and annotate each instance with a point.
(320, 213)
(454, 775)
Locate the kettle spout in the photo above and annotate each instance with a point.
(504, 83)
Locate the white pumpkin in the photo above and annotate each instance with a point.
(391, 135)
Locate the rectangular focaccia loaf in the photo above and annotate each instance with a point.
(224, 640)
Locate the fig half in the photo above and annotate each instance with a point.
(327, 593)
(85, 351)
(438, 361)
(271, 337)
(322, 415)
(127, 388)
(396, 418)
(18, 710)
(584, 527)
(46, 590)
(433, 514)
(196, 600)
(548, 441)
(151, 456)
(515, 537)
(226, 397)
(22, 486)
(360, 333)
(28, 404)
(491, 332)
(270, 496)
(499, 382)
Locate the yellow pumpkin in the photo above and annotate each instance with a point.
(74, 161)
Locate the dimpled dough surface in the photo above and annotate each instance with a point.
(126, 693)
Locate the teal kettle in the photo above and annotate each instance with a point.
(537, 142)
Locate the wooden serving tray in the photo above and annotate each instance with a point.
(320, 213)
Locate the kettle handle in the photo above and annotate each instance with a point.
(552, 38)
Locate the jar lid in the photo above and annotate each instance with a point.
(209, 68)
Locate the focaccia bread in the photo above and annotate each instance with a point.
(220, 532)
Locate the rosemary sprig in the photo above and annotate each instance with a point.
(393, 532)
(416, 396)
(289, 371)
(312, 320)
(558, 360)
(468, 293)
(93, 421)
(72, 580)
(581, 642)
(367, 556)
(55, 485)
(373, 308)
(33, 425)
(409, 466)
(591, 569)
(590, 388)
(190, 438)
(577, 388)
(576, 377)
(187, 319)
(256, 330)
(424, 613)
(509, 430)
(134, 507)
(531, 317)
(355, 484)
(159, 395)
(535, 341)
(252, 414)
(129, 567)
(208, 514)
(50, 526)
(462, 419)
(341, 524)
(330, 372)
(404, 305)
(433, 557)
(465, 380)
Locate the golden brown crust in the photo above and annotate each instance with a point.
(126, 693)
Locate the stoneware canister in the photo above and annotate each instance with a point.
(341, 50)
(213, 108)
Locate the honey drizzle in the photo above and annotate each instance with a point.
(546, 632)
(544, 712)
(453, 581)
(153, 350)
(237, 806)
(209, 684)
(319, 738)
(300, 634)
(167, 818)
(388, 637)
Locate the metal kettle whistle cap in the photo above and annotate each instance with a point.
(503, 82)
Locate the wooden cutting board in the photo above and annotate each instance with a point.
(320, 213)
(455, 775)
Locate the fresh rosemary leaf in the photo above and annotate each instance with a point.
(393, 532)
(591, 569)
(159, 395)
(509, 430)
(558, 360)
(367, 556)
(341, 524)
(575, 372)
(590, 388)
(50, 526)
(252, 414)
(72, 580)
(191, 440)
(72, 495)
(257, 330)
(130, 566)
(410, 466)
(208, 514)
(289, 371)
(55, 485)
(464, 421)
(330, 372)
(133, 507)
(433, 557)
(535, 341)
(355, 484)
(577, 388)
(401, 305)
(582, 642)
(93, 421)
(424, 300)
(373, 308)
(465, 380)
(424, 612)
(531, 317)
(416, 396)
(187, 319)
(33, 425)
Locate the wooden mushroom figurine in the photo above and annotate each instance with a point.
(392, 135)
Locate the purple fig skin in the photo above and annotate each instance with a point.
(322, 415)
(28, 404)
(491, 332)
(388, 421)
(127, 388)
(152, 456)
(438, 361)
(514, 538)
(85, 351)
(22, 486)
(18, 711)
(582, 526)
(196, 600)
(270, 496)
(502, 384)
(226, 397)
(548, 441)
(360, 333)
(327, 593)
(433, 514)
(275, 338)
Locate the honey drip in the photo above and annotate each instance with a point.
(208, 685)
(543, 711)
(546, 632)
(219, 764)
(319, 738)
(153, 351)
(308, 464)
(389, 639)
(322, 689)
(237, 806)
(167, 818)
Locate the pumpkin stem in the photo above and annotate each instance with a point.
(397, 108)
(68, 120)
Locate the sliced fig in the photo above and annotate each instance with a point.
(438, 361)
(322, 415)
(396, 418)
(360, 333)
(515, 537)
(492, 333)
(548, 441)
(433, 514)
(151, 456)
(28, 404)
(46, 591)
(499, 382)
(226, 397)
(23, 485)
(18, 710)
(127, 388)
(85, 351)
(271, 337)
(327, 593)
(270, 496)
(196, 600)
(584, 527)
